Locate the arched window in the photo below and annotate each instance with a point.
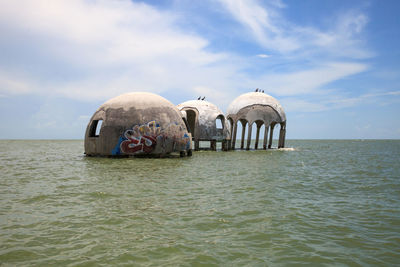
(95, 128)
(191, 120)
(219, 122)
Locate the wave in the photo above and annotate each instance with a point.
(288, 149)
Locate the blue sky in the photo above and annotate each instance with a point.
(333, 65)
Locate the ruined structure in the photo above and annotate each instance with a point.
(146, 124)
(206, 123)
(261, 109)
(137, 124)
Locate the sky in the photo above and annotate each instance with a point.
(334, 65)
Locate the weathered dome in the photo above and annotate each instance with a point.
(203, 121)
(259, 109)
(136, 124)
(259, 100)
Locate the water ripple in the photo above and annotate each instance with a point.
(314, 203)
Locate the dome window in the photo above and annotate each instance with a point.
(95, 128)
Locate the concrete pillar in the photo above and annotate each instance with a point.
(224, 145)
(249, 127)
(196, 145)
(213, 145)
(271, 135)
(265, 136)
(233, 140)
(232, 125)
(257, 136)
(282, 134)
(243, 132)
(280, 137)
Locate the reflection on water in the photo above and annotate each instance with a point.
(316, 202)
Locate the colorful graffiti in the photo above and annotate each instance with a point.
(140, 138)
(144, 139)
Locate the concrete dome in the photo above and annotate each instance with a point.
(206, 115)
(202, 117)
(136, 124)
(260, 109)
(207, 110)
(256, 98)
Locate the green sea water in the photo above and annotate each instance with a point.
(317, 203)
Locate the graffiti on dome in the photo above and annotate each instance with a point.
(144, 138)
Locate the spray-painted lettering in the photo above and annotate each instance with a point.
(144, 138)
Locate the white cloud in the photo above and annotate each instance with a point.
(14, 85)
(309, 81)
(114, 47)
(215, 95)
(92, 50)
(84, 118)
(118, 45)
(329, 102)
(263, 55)
(261, 22)
(273, 31)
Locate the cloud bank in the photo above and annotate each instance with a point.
(94, 50)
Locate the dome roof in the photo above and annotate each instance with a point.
(138, 100)
(255, 98)
(204, 124)
(207, 110)
(136, 124)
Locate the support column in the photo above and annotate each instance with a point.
(233, 140)
(282, 134)
(271, 135)
(257, 136)
(249, 127)
(196, 145)
(224, 145)
(228, 144)
(243, 132)
(213, 145)
(280, 137)
(265, 136)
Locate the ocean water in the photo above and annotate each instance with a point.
(318, 202)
